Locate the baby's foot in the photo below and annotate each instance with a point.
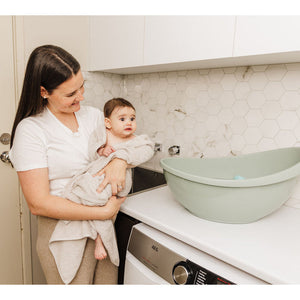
(100, 252)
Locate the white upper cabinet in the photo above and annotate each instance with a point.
(116, 42)
(129, 44)
(266, 34)
(172, 39)
(135, 44)
(168, 43)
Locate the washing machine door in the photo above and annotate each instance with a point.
(138, 273)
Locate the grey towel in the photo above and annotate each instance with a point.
(68, 240)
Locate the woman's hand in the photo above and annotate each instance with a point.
(113, 205)
(115, 173)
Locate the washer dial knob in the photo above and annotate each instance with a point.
(182, 273)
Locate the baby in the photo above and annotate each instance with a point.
(115, 139)
(120, 126)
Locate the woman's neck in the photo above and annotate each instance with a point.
(67, 119)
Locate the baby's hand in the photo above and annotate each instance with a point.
(107, 150)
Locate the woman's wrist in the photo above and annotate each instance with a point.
(108, 212)
(122, 161)
(102, 213)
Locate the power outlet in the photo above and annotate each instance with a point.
(157, 147)
(174, 150)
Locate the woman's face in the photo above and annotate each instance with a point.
(67, 96)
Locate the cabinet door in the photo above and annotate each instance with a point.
(170, 39)
(116, 42)
(266, 34)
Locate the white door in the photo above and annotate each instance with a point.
(10, 228)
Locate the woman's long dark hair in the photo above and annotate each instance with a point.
(48, 66)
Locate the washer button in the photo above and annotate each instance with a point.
(181, 273)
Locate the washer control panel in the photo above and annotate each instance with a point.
(187, 272)
(168, 264)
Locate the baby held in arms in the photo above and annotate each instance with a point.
(120, 123)
(114, 138)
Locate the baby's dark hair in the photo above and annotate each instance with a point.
(111, 104)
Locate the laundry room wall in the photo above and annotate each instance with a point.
(210, 112)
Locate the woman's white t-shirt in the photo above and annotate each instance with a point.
(42, 141)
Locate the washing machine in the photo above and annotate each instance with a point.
(153, 257)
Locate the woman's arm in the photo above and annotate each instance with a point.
(140, 151)
(35, 187)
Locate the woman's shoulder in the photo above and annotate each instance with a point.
(30, 130)
(33, 121)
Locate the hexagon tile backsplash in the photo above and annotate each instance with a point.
(210, 112)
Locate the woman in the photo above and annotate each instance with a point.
(49, 145)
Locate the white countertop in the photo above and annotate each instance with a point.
(268, 249)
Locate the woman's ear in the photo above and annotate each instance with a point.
(44, 92)
(107, 123)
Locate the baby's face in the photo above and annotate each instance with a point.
(123, 122)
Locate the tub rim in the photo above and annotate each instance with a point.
(278, 177)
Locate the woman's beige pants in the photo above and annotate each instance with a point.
(91, 270)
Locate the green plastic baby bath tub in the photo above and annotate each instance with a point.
(240, 189)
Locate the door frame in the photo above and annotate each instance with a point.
(19, 70)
